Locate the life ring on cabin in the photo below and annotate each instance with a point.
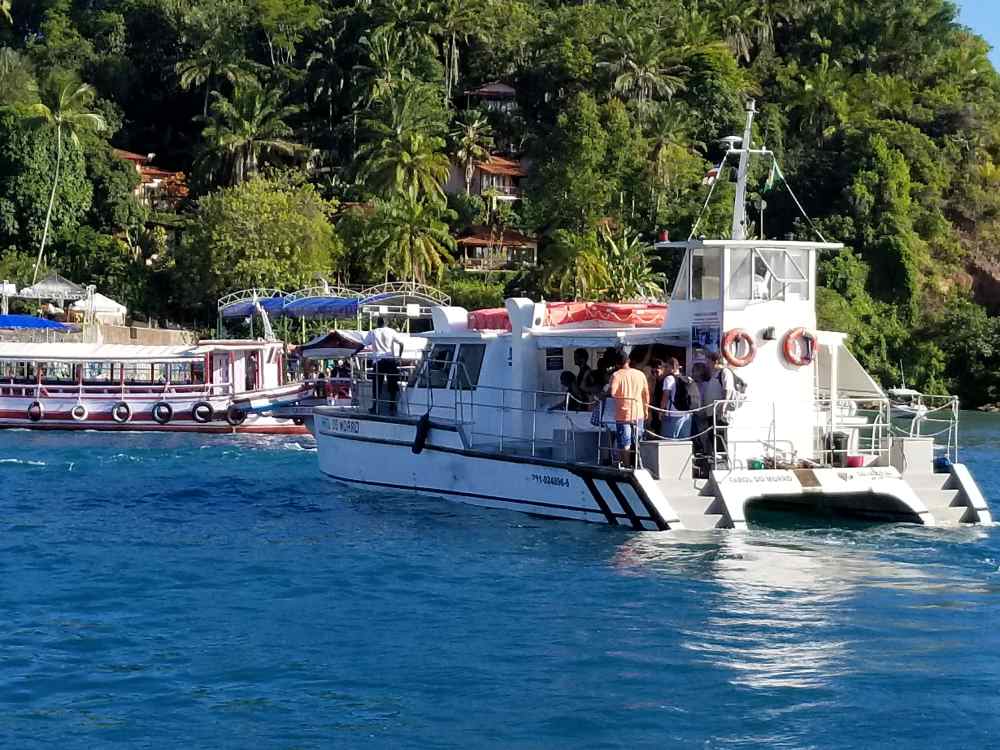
(235, 415)
(79, 413)
(36, 412)
(162, 412)
(799, 347)
(732, 342)
(202, 412)
(121, 412)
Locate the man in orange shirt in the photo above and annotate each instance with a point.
(630, 390)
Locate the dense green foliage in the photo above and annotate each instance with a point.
(885, 115)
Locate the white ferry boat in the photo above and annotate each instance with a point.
(483, 421)
(214, 386)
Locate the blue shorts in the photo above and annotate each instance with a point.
(628, 434)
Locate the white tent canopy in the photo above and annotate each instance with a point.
(101, 303)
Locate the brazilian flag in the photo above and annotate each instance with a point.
(774, 178)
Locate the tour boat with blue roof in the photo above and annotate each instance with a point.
(483, 420)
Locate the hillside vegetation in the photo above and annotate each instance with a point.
(316, 137)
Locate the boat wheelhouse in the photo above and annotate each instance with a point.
(214, 386)
(488, 419)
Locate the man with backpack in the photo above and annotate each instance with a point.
(720, 391)
(680, 397)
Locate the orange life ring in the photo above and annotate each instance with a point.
(796, 354)
(729, 342)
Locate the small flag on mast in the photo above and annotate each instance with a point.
(774, 177)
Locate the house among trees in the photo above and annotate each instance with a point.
(158, 189)
(493, 97)
(486, 249)
(496, 177)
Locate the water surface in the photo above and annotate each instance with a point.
(186, 591)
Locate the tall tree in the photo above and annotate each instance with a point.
(248, 128)
(640, 61)
(473, 139)
(413, 240)
(213, 31)
(64, 108)
(457, 20)
(404, 153)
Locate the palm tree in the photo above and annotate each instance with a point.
(641, 63)
(668, 131)
(456, 19)
(64, 109)
(387, 65)
(576, 268)
(205, 68)
(411, 239)
(247, 128)
(412, 164)
(630, 276)
(822, 101)
(741, 25)
(404, 154)
(473, 139)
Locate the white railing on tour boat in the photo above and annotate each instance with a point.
(862, 428)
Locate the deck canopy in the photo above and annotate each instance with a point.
(76, 352)
(328, 302)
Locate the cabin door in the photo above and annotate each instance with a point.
(220, 368)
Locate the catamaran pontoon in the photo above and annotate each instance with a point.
(481, 420)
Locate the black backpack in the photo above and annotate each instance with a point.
(687, 397)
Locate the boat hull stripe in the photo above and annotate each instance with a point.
(457, 493)
(620, 497)
(605, 508)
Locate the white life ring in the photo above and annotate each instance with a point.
(79, 413)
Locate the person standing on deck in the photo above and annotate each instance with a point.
(680, 397)
(386, 348)
(630, 391)
(655, 423)
(719, 389)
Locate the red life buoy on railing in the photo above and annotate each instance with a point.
(732, 342)
(799, 347)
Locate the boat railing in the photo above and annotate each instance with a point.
(13, 389)
(929, 416)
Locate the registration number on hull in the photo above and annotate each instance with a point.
(349, 426)
(550, 479)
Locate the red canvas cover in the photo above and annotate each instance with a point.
(491, 319)
(640, 315)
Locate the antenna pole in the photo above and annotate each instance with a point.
(740, 209)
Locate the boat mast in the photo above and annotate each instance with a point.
(740, 208)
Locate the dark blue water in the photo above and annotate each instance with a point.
(205, 592)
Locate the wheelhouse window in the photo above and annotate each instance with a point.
(435, 373)
(768, 274)
(469, 365)
(706, 272)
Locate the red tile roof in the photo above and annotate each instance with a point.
(501, 166)
(130, 155)
(480, 236)
(495, 90)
